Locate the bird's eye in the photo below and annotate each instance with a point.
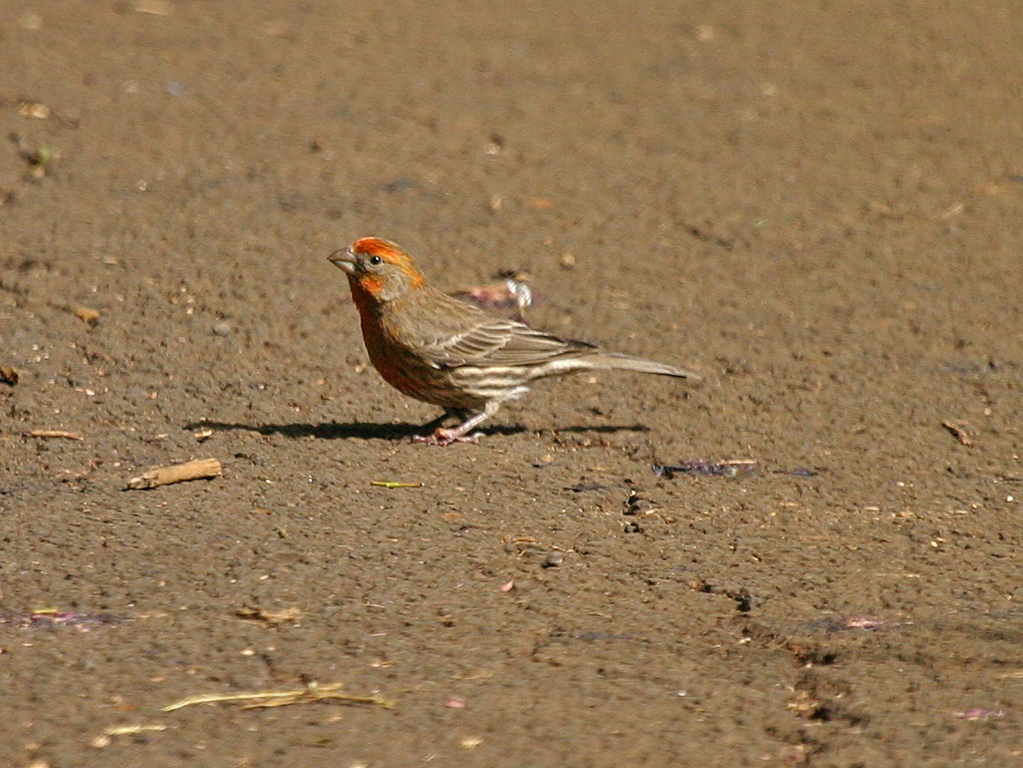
(374, 260)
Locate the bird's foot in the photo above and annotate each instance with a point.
(447, 437)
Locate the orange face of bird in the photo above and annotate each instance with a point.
(378, 270)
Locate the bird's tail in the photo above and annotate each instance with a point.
(620, 362)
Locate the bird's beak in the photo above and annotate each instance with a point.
(343, 259)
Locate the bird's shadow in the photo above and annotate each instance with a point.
(363, 430)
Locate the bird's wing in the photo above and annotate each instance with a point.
(498, 341)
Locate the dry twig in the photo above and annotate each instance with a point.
(178, 473)
(53, 433)
(272, 618)
(106, 738)
(262, 699)
(958, 428)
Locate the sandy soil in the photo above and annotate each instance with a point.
(817, 206)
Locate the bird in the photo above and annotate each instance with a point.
(441, 350)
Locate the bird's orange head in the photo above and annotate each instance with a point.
(378, 270)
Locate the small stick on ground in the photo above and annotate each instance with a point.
(53, 433)
(106, 738)
(178, 473)
(958, 428)
(133, 730)
(273, 618)
(258, 699)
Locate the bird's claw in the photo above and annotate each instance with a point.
(446, 437)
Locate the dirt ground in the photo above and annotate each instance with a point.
(816, 205)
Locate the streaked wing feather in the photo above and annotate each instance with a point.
(497, 341)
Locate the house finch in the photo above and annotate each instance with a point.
(441, 350)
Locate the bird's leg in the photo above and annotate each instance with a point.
(459, 434)
(433, 424)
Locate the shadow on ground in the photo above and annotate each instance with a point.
(362, 430)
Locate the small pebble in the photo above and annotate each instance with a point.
(87, 315)
(638, 505)
(221, 329)
(101, 741)
(553, 559)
